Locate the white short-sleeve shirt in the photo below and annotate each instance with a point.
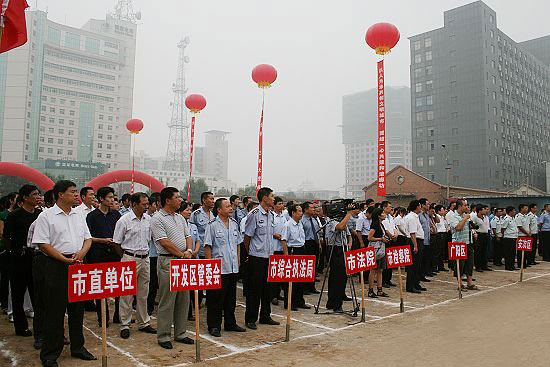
(64, 232)
(132, 233)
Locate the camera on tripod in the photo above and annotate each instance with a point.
(338, 208)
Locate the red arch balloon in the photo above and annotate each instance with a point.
(126, 176)
(27, 173)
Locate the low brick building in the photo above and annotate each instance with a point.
(404, 185)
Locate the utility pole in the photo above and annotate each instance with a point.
(448, 171)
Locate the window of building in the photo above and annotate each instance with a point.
(71, 132)
(454, 131)
(100, 136)
(62, 111)
(431, 161)
(50, 140)
(99, 155)
(71, 113)
(417, 58)
(51, 120)
(43, 108)
(454, 99)
(59, 141)
(100, 146)
(109, 146)
(452, 69)
(416, 45)
(428, 56)
(69, 152)
(52, 110)
(70, 142)
(100, 117)
(42, 118)
(72, 40)
(455, 162)
(430, 115)
(429, 70)
(429, 84)
(494, 95)
(60, 131)
(453, 84)
(429, 100)
(418, 72)
(420, 116)
(108, 156)
(428, 42)
(420, 162)
(73, 103)
(452, 53)
(431, 131)
(419, 132)
(41, 149)
(491, 18)
(50, 150)
(92, 45)
(418, 87)
(419, 101)
(492, 33)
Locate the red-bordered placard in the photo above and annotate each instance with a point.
(524, 244)
(458, 251)
(360, 260)
(103, 280)
(398, 256)
(291, 268)
(195, 274)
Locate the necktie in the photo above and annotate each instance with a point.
(313, 229)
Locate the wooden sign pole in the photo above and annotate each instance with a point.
(459, 279)
(401, 303)
(521, 269)
(288, 310)
(363, 311)
(103, 334)
(197, 337)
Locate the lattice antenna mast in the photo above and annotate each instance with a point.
(177, 150)
(124, 10)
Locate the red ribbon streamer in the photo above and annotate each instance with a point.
(133, 140)
(191, 158)
(260, 148)
(381, 132)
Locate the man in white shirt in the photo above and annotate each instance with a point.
(534, 229)
(132, 233)
(391, 231)
(63, 236)
(415, 236)
(480, 219)
(523, 223)
(509, 230)
(87, 196)
(442, 228)
(279, 221)
(497, 237)
(362, 226)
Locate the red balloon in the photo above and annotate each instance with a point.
(134, 126)
(195, 102)
(264, 75)
(382, 37)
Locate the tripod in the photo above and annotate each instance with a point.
(349, 280)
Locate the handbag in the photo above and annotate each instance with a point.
(380, 248)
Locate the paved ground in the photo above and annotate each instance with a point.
(504, 323)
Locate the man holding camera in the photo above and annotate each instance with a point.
(338, 235)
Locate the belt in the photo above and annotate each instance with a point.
(167, 255)
(68, 256)
(136, 255)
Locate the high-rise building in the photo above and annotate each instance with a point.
(67, 93)
(480, 103)
(359, 135)
(216, 154)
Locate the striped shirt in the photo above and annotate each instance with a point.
(172, 227)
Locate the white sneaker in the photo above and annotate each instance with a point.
(30, 314)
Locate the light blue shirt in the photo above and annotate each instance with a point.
(293, 233)
(123, 210)
(224, 242)
(238, 215)
(201, 220)
(425, 223)
(194, 233)
(259, 227)
(363, 225)
(279, 221)
(459, 236)
(544, 221)
(311, 227)
(334, 237)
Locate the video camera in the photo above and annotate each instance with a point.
(338, 208)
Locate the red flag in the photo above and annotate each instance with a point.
(12, 21)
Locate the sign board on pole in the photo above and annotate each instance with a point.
(398, 256)
(360, 260)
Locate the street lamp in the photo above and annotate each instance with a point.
(447, 169)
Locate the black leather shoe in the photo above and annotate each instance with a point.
(443, 269)
(270, 322)
(186, 340)
(116, 319)
(292, 308)
(166, 345)
(25, 332)
(413, 291)
(38, 344)
(307, 293)
(425, 280)
(420, 288)
(314, 291)
(275, 302)
(236, 328)
(148, 329)
(479, 270)
(215, 332)
(304, 306)
(338, 310)
(125, 333)
(347, 299)
(487, 269)
(251, 325)
(48, 363)
(390, 284)
(84, 355)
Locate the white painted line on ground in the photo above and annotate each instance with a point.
(251, 349)
(454, 283)
(8, 354)
(127, 354)
(230, 347)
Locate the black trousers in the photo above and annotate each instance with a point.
(21, 280)
(509, 246)
(297, 288)
(312, 248)
(466, 266)
(55, 305)
(498, 250)
(103, 255)
(426, 259)
(525, 259)
(414, 270)
(481, 249)
(222, 300)
(276, 286)
(337, 278)
(533, 254)
(153, 285)
(4, 278)
(435, 243)
(258, 292)
(387, 274)
(243, 269)
(443, 252)
(545, 240)
(39, 279)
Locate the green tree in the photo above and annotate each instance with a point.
(248, 190)
(198, 186)
(223, 192)
(11, 184)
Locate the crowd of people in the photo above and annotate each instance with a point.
(44, 234)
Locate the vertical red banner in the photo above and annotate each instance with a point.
(260, 149)
(191, 157)
(381, 132)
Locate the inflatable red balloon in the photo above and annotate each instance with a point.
(195, 103)
(134, 126)
(382, 37)
(264, 75)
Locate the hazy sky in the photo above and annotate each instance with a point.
(320, 54)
